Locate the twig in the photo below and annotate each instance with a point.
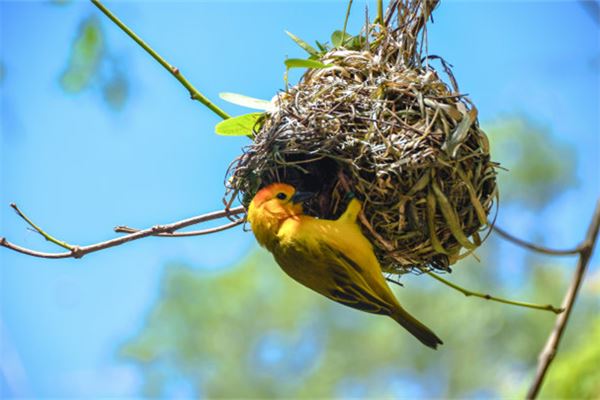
(535, 247)
(380, 12)
(80, 251)
(39, 230)
(390, 12)
(194, 93)
(239, 221)
(485, 296)
(346, 22)
(549, 351)
(228, 203)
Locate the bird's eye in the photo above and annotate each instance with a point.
(281, 196)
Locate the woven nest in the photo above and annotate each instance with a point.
(381, 123)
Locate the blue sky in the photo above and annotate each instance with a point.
(79, 168)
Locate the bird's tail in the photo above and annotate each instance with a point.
(416, 328)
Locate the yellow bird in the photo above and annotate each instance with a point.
(332, 258)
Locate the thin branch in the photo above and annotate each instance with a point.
(346, 22)
(467, 292)
(194, 93)
(33, 253)
(126, 229)
(395, 282)
(390, 12)
(80, 251)
(380, 12)
(39, 230)
(535, 247)
(549, 352)
(228, 203)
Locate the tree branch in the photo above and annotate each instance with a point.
(194, 93)
(239, 221)
(549, 351)
(157, 230)
(535, 247)
(467, 292)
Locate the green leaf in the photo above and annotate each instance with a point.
(246, 101)
(357, 42)
(323, 48)
(307, 47)
(115, 90)
(339, 39)
(242, 125)
(291, 63)
(85, 57)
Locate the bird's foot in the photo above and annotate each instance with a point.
(349, 196)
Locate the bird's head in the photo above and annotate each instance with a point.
(271, 206)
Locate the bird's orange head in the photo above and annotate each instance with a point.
(271, 206)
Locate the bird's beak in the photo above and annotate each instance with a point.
(300, 197)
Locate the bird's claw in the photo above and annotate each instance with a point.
(349, 196)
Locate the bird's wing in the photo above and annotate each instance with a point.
(348, 283)
(335, 260)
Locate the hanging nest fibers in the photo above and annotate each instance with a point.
(379, 121)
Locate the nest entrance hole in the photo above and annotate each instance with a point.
(307, 173)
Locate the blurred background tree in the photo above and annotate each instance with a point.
(93, 65)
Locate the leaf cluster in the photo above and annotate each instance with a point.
(251, 331)
(248, 124)
(91, 64)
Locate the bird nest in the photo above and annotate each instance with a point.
(380, 122)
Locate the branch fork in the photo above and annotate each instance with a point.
(548, 353)
(168, 230)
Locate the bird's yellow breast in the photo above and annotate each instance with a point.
(310, 235)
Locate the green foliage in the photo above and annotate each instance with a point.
(91, 65)
(347, 41)
(339, 38)
(213, 343)
(252, 332)
(540, 166)
(323, 48)
(246, 101)
(292, 63)
(305, 46)
(115, 90)
(576, 372)
(85, 58)
(242, 125)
